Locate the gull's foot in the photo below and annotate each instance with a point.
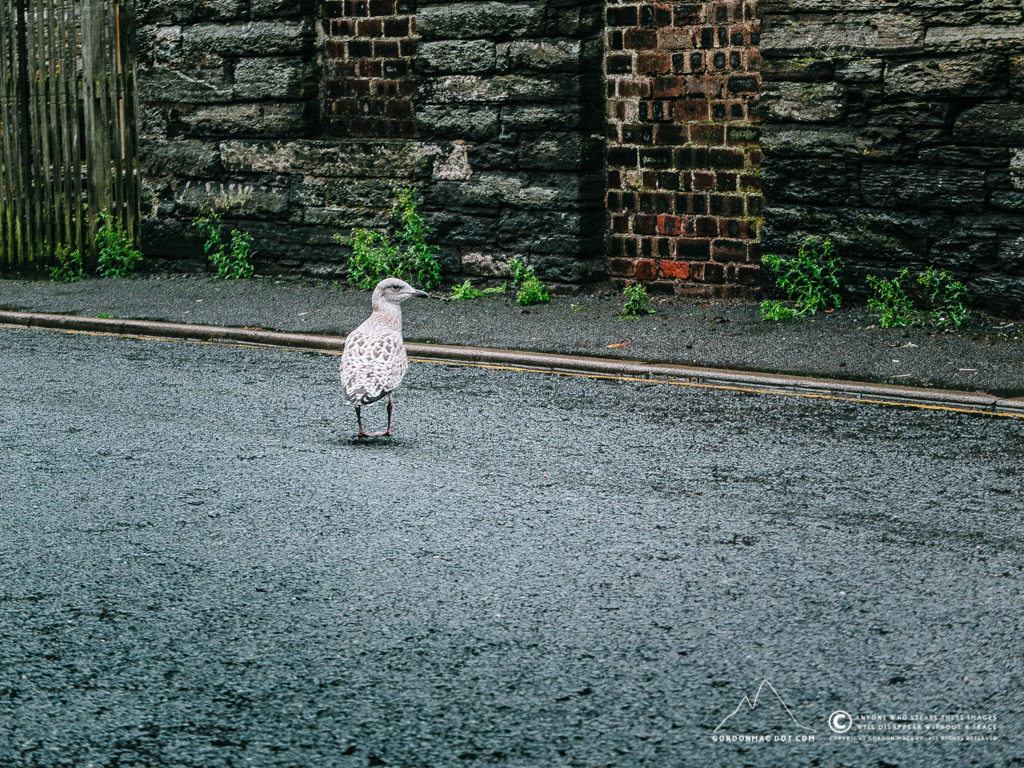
(360, 433)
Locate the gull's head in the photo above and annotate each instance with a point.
(394, 291)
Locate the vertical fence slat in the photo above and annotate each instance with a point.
(73, 95)
(44, 200)
(131, 118)
(57, 192)
(23, 145)
(7, 254)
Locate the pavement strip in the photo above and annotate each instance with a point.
(568, 365)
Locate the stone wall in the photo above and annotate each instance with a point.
(297, 122)
(683, 156)
(897, 128)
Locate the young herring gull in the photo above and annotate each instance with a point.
(374, 362)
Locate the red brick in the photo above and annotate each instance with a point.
(707, 134)
(666, 87)
(622, 267)
(706, 226)
(693, 250)
(644, 225)
(653, 63)
(729, 250)
(369, 28)
(669, 225)
(748, 274)
(645, 270)
(690, 110)
(382, 7)
(640, 39)
(396, 27)
(713, 273)
(703, 180)
(679, 270)
(398, 108)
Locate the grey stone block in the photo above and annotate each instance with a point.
(280, 9)
(274, 78)
(824, 181)
(178, 157)
(153, 121)
(257, 38)
(860, 70)
(564, 233)
(494, 189)
(841, 142)
(798, 70)
(178, 12)
(167, 45)
(540, 55)
(458, 122)
(467, 21)
(231, 199)
(803, 102)
(345, 193)
(253, 120)
(350, 158)
(946, 77)
(991, 125)
(842, 34)
(540, 118)
(1011, 254)
(978, 37)
(923, 187)
(195, 85)
(455, 57)
(560, 152)
(510, 89)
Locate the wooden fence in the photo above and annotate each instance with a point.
(68, 117)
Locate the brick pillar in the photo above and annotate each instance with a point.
(683, 146)
(368, 79)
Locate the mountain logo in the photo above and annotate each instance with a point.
(752, 705)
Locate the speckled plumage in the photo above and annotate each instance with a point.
(374, 361)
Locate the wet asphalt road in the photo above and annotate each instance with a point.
(199, 566)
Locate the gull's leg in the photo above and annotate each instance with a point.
(390, 406)
(359, 421)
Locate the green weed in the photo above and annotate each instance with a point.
(467, 291)
(772, 309)
(531, 289)
(376, 256)
(117, 256)
(230, 263)
(811, 280)
(892, 301)
(945, 297)
(637, 302)
(69, 267)
(941, 302)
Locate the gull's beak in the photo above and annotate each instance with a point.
(420, 294)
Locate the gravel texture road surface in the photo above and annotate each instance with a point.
(201, 567)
